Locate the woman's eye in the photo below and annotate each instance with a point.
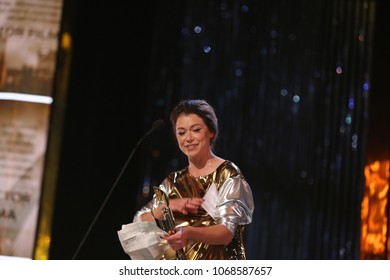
(180, 133)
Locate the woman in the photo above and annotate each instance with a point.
(203, 235)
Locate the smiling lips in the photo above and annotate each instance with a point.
(191, 147)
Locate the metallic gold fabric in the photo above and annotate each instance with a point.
(234, 207)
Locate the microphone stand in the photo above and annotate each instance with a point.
(157, 125)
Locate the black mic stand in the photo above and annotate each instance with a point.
(156, 126)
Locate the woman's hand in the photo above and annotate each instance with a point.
(186, 205)
(176, 240)
(213, 235)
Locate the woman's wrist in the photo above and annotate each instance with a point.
(188, 232)
(157, 213)
(151, 212)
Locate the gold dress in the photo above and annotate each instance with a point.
(234, 209)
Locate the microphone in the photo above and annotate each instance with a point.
(157, 125)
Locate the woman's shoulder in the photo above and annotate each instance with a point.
(177, 173)
(228, 169)
(228, 164)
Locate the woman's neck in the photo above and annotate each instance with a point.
(203, 166)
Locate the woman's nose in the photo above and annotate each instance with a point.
(189, 137)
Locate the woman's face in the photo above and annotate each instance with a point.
(193, 135)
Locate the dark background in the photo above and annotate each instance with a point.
(103, 122)
(112, 102)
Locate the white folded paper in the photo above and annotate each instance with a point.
(141, 241)
(210, 200)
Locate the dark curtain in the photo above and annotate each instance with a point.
(290, 82)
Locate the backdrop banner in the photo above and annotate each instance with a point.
(23, 133)
(29, 35)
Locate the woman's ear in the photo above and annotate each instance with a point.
(212, 138)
